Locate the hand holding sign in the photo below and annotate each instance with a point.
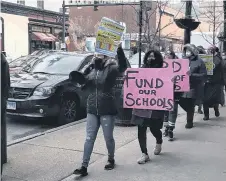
(180, 69)
(148, 89)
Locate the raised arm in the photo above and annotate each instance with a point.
(122, 60)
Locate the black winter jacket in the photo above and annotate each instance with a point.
(218, 71)
(198, 75)
(100, 84)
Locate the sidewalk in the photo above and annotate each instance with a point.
(198, 154)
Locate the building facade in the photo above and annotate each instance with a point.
(28, 29)
(86, 18)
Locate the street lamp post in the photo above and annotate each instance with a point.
(187, 23)
(63, 46)
(140, 31)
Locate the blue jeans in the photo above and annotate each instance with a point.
(107, 123)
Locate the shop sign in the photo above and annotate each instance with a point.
(41, 29)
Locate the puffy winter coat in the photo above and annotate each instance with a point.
(198, 73)
(100, 84)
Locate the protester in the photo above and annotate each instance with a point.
(170, 55)
(198, 103)
(149, 118)
(213, 90)
(5, 84)
(187, 100)
(100, 78)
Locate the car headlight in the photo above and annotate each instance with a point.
(44, 91)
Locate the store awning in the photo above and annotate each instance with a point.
(43, 36)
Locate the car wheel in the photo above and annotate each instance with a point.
(69, 111)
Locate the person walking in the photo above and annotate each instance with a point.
(152, 119)
(99, 78)
(198, 102)
(5, 85)
(186, 100)
(213, 90)
(170, 55)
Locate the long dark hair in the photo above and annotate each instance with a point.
(157, 63)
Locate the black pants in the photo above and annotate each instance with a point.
(206, 109)
(188, 105)
(142, 137)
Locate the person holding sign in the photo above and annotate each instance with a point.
(99, 78)
(213, 92)
(152, 119)
(187, 100)
(170, 55)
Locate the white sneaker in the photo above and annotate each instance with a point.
(144, 159)
(158, 149)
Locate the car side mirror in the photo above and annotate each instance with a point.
(77, 77)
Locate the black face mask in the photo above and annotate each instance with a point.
(98, 63)
(154, 64)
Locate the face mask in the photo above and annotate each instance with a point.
(98, 63)
(150, 59)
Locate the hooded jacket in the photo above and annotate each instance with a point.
(153, 114)
(100, 84)
(218, 71)
(198, 72)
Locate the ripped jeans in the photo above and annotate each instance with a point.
(107, 123)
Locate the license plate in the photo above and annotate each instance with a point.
(11, 105)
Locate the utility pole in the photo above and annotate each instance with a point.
(214, 21)
(63, 45)
(224, 34)
(140, 31)
(187, 31)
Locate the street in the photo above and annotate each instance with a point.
(20, 128)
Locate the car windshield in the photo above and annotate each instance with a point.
(17, 62)
(134, 60)
(57, 64)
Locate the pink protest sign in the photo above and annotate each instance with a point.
(148, 88)
(180, 68)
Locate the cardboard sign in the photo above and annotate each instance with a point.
(149, 88)
(108, 37)
(208, 60)
(180, 68)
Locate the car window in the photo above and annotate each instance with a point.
(58, 64)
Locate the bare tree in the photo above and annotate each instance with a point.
(151, 34)
(212, 13)
(77, 33)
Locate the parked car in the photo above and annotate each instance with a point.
(18, 64)
(45, 91)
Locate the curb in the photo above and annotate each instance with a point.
(26, 138)
(20, 140)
